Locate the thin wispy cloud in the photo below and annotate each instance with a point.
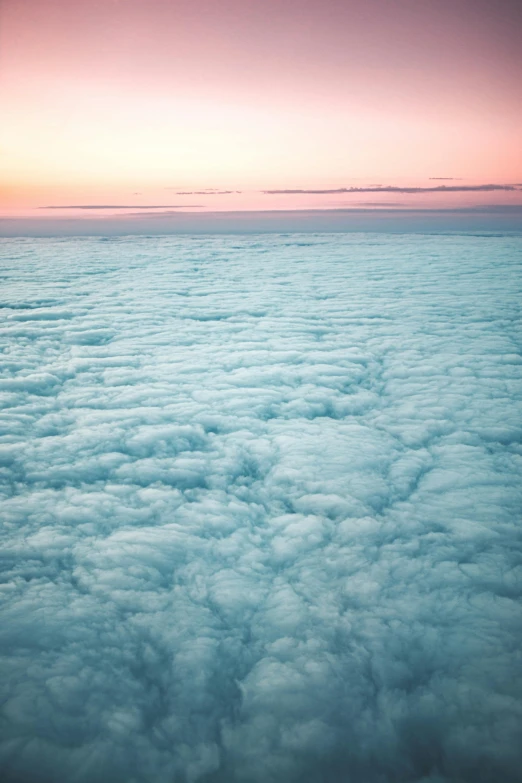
(120, 206)
(206, 192)
(184, 187)
(373, 204)
(390, 189)
(202, 191)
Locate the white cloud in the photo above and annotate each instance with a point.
(260, 509)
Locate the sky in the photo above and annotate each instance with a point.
(199, 105)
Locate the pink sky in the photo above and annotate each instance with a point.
(134, 102)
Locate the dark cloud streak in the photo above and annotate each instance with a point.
(206, 192)
(391, 189)
(121, 206)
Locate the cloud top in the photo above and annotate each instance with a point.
(260, 502)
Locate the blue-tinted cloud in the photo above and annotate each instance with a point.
(261, 509)
(488, 218)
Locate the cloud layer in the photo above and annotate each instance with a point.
(497, 218)
(261, 510)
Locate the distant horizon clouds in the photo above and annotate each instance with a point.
(381, 217)
(119, 206)
(207, 192)
(225, 202)
(395, 189)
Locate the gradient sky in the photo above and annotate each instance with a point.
(139, 103)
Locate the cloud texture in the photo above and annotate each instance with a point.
(261, 507)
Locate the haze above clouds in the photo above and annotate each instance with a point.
(261, 504)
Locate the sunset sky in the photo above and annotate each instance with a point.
(208, 104)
